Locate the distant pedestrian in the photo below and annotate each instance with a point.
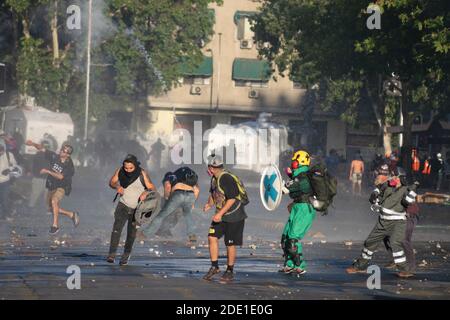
(356, 174)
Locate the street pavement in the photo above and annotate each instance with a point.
(33, 264)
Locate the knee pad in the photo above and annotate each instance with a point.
(291, 246)
(283, 242)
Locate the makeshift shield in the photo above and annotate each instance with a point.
(271, 187)
(147, 210)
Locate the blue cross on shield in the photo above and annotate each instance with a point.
(270, 187)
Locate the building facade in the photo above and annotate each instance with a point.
(232, 85)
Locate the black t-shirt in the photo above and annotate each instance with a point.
(66, 169)
(39, 162)
(231, 190)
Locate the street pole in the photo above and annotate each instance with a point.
(400, 138)
(218, 71)
(88, 71)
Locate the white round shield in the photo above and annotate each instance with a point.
(270, 187)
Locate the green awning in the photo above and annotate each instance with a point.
(205, 69)
(251, 70)
(242, 14)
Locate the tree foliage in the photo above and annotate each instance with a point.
(327, 42)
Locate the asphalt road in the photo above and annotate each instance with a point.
(33, 264)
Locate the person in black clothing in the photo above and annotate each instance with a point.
(59, 182)
(228, 220)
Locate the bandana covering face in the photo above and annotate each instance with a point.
(127, 178)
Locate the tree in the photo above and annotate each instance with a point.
(154, 39)
(327, 43)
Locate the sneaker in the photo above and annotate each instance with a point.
(286, 269)
(53, 230)
(76, 219)
(405, 274)
(110, 259)
(211, 273)
(298, 271)
(352, 269)
(227, 276)
(124, 260)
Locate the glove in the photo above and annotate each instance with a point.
(284, 190)
(375, 208)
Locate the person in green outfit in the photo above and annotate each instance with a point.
(301, 215)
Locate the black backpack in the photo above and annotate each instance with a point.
(324, 186)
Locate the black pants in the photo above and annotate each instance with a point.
(121, 216)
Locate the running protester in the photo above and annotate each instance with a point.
(302, 214)
(182, 190)
(132, 184)
(391, 201)
(229, 197)
(59, 182)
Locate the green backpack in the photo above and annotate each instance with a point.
(324, 186)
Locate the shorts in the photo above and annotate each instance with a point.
(357, 178)
(57, 194)
(233, 231)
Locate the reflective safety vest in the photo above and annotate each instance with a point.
(426, 167)
(415, 163)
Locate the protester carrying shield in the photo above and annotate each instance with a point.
(301, 213)
(182, 190)
(229, 197)
(59, 182)
(132, 184)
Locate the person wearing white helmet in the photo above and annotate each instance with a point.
(229, 197)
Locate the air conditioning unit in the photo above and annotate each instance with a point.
(253, 94)
(196, 90)
(246, 44)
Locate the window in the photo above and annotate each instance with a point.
(189, 80)
(251, 73)
(251, 84)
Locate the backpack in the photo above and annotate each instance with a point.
(324, 186)
(243, 196)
